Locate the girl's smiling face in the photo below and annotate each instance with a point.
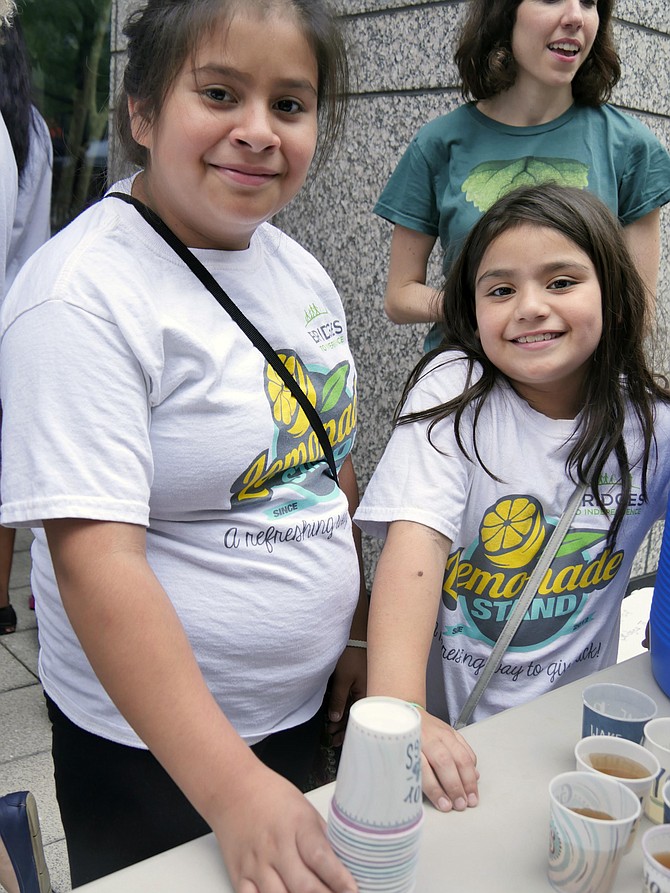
(539, 315)
(551, 40)
(236, 135)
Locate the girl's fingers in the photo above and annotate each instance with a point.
(317, 855)
(270, 883)
(433, 789)
(449, 767)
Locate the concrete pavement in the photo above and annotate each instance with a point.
(25, 736)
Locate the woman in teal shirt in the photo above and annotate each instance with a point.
(539, 74)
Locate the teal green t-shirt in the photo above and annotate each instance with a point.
(458, 165)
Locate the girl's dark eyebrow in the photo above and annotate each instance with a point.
(223, 71)
(553, 267)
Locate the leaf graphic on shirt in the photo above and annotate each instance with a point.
(334, 386)
(579, 541)
(492, 180)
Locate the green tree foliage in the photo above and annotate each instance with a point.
(70, 53)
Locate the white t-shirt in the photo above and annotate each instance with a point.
(131, 396)
(497, 529)
(32, 224)
(9, 186)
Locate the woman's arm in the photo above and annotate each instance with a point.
(403, 609)
(136, 644)
(643, 238)
(350, 677)
(408, 299)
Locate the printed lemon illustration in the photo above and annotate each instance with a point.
(285, 408)
(513, 531)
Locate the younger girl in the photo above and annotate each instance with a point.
(538, 76)
(542, 383)
(196, 576)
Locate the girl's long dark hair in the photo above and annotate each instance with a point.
(620, 380)
(16, 91)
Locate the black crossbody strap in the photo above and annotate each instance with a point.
(236, 314)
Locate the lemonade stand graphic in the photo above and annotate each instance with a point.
(486, 579)
(295, 447)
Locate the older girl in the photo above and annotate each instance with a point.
(196, 576)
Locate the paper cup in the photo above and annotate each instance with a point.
(378, 782)
(378, 860)
(657, 740)
(655, 844)
(585, 850)
(618, 710)
(629, 763)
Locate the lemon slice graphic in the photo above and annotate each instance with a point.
(513, 532)
(285, 408)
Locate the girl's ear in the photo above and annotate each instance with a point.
(140, 127)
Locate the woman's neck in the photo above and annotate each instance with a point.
(527, 107)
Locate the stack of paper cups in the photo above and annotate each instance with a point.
(659, 617)
(376, 813)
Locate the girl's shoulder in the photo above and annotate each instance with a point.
(274, 242)
(280, 252)
(443, 378)
(662, 419)
(106, 261)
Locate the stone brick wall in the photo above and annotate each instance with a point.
(403, 75)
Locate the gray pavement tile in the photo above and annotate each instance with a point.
(23, 646)
(20, 569)
(35, 773)
(56, 856)
(18, 596)
(24, 538)
(25, 726)
(13, 674)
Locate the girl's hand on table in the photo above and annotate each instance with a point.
(275, 842)
(448, 766)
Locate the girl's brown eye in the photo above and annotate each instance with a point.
(218, 94)
(289, 106)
